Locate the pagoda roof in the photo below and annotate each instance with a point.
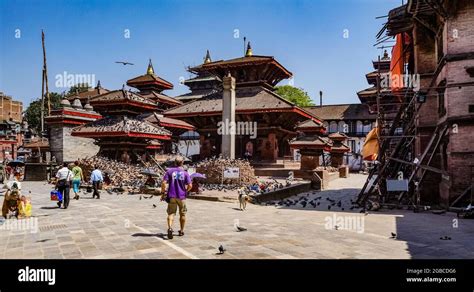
(122, 127)
(255, 99)
(308, 124)
(311, 142)
(202, 78)
(161, 98)
(123, 97)
(147, 79)
(340, 148)
(195, 94)
(372, 77)
(166, 122)
(221, 67)
(355, 111)
(338, 135)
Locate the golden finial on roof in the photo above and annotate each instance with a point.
(249, 52)
(385, 55)
(150, 70)
(207, 59)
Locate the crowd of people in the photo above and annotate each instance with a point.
(175, 186)
(174, 189)
(67, 178)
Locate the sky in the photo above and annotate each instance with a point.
(327, 44)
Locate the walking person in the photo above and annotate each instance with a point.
(63, 184)
(77, 178)
(179, 183)
(96, 179)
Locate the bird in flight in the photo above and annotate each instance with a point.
(124, 63)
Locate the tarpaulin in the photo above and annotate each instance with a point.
(370, 150)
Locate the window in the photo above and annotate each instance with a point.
(359, 127)
(342, 127)
(332, 127)
(352, 145)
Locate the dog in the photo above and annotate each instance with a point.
(243, 199)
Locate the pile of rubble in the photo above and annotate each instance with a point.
(123, 175)
(213, 168)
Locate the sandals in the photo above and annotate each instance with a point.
(180, 233)
(170, 233)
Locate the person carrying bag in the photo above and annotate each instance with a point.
(63, 185)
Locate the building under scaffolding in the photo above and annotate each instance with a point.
(425, 153)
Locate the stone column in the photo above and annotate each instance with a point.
(228, 117)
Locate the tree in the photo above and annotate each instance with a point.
(33, 111)
(295, 95)
(80, 87)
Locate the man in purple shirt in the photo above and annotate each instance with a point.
(179, 183)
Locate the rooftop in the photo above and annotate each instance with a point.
(121, 127)
(354, 111)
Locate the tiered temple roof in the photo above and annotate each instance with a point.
(150, 81)
(122, 102)
(122, 127)
(248, 70)
(167, 122)
(311, 143)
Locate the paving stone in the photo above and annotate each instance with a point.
(126, 227)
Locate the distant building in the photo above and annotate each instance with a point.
(10, 126)
(354, 120)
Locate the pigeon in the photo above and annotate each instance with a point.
(154, 206)
(303, 204)
(240, 229)
(221, 249)
(336, 227)
(445, 238)
(329, 207)
(394, 235)
(140, 197)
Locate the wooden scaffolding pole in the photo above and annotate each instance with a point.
(44, 85)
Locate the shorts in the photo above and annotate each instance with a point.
(173, 206)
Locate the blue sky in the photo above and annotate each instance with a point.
(87, 37)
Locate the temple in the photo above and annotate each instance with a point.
(61, 122)
(256, 103)
(133, 128)
(151, 86)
